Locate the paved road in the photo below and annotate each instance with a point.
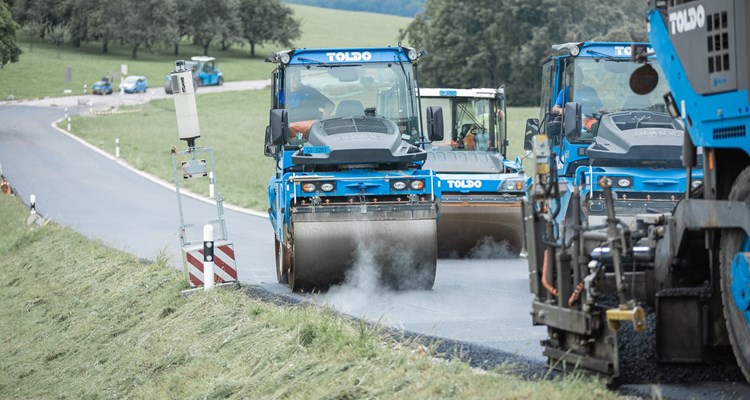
(479, 301)
(482, 301)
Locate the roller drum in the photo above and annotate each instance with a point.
(401, 246)
(465, 226)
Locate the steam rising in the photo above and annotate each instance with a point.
(488, 248)
(379, 268)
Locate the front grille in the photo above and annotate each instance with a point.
(729, 132)
(354, 124)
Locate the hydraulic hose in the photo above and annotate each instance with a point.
(545, 269)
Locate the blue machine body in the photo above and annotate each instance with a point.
(626, 138)
(348, 173)
(702, 47)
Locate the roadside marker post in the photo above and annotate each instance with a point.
(68, 124)
(117, 147)
(33, 218)
(208, 257)
(210, 263)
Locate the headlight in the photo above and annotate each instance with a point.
(284, 58)
(696, 183)
(398, 185)
(510, 186)
(624, 182)
(417, 185)
(606, 180)
(308, 187)
(327, 187)
(412, 54)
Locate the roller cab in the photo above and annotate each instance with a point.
(481, 189)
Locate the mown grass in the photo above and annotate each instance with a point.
(79, 320)
(233, 123)
(41, 70)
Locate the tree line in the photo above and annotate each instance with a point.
(145, 24)
(404, 8)
(488, 43)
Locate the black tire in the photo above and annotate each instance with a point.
(731, 240)
(282, 263)
(197, 83)
(221, 80)
(290, 276)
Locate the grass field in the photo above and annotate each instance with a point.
(233, 123)
(79, 320)
(41, 71)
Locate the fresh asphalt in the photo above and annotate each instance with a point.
(479, 302)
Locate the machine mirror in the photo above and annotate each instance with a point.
(532, 129)
(572, 119)
(269, 150)
(279, 126)
(644, 79)
(435, 123)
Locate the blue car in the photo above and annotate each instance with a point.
(102, 87)
(134, 84)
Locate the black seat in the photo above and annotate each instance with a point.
(350, 108)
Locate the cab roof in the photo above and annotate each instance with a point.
(484, 93)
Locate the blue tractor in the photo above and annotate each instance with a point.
(349, 188)
(608, 160)
(205, 73)
(481, 189)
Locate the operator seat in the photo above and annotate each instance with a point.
(350, 108)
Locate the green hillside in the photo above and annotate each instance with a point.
(81, 321)
(41, 69)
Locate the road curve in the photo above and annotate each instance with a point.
(482, 301)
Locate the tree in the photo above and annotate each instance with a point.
(32, 30)
(59, 34)
(9, 50)
(145, 22)
(209, 21)
(75, 14)
(488, 43)
(103, 22)
(267, 21)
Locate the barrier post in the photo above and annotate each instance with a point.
(208, 257)
(211, 184)
(117, 147)
(32, 203)
(68, 124)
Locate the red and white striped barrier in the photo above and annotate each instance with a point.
(225, 267)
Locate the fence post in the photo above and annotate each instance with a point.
(208, 257)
